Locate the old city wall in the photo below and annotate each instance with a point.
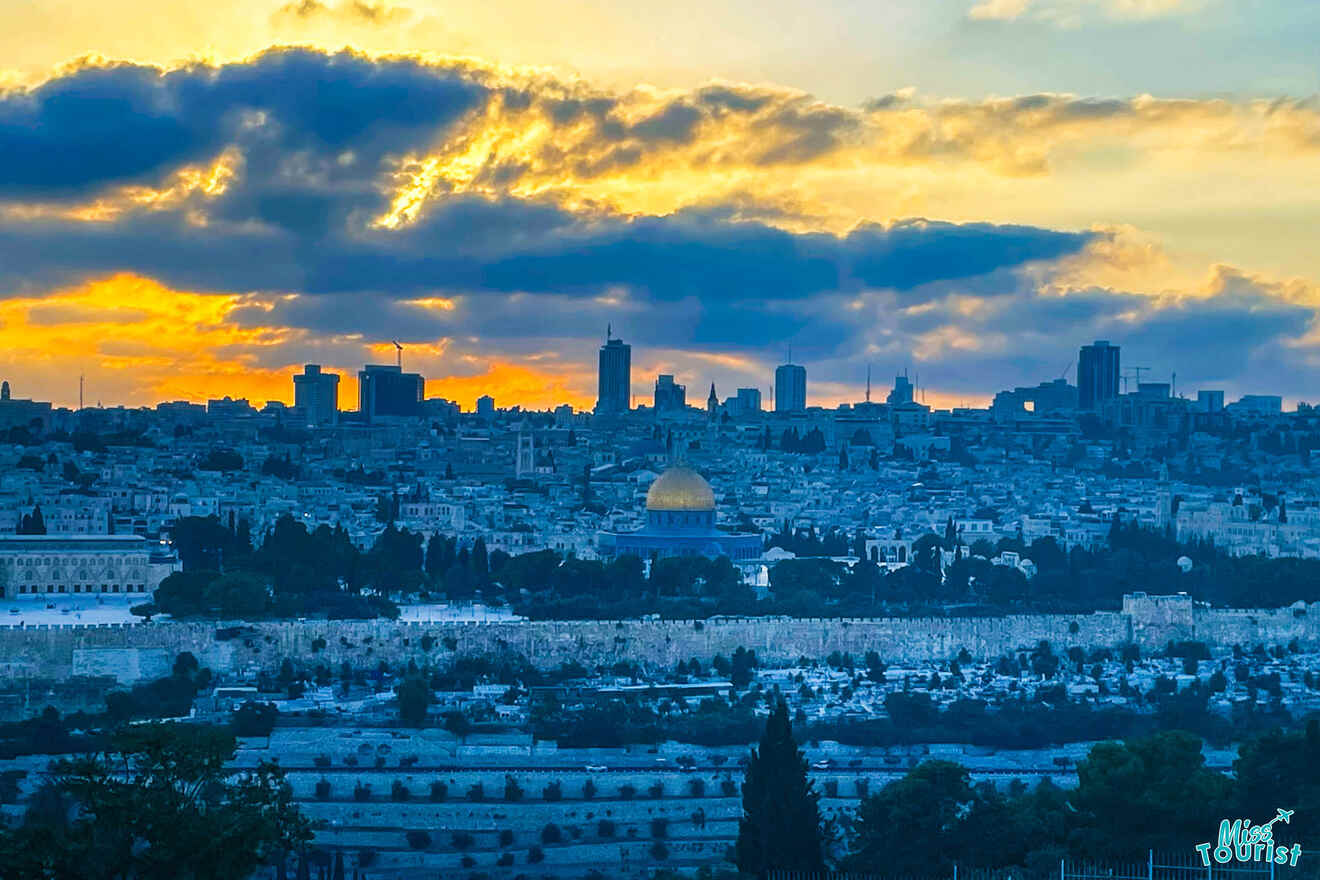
(61, 651)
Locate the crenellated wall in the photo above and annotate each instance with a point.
(1150, 622)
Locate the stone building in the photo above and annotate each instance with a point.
(41, 565)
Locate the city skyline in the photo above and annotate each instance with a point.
(221, 211)
(345, 389)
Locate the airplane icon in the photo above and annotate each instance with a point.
(1285, 815)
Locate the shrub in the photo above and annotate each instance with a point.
(380, 762)
(476, 792)
(627, 792)
(588, 790)
(659, 851)
(461, 840)
(551, 834)
(605, 828)
(831, 788)
(659, 827)
(418, 839)
(322, 788)
(350, 761)
(399, 791)
(657, 790)
(512, 790)
(366, 857)
(321, 761)
(408, 761)
(361, 792)
(728, 787)
(506, 837)
(505, 860)
(439, 791)
(553, 792)
(697, 787)
(535, 855)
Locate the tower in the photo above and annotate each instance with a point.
(526, 460)
(712, 402)
(790, 388)
(1097, 374)
(614, 376)
(316, 393)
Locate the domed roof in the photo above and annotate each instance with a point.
(680, 488)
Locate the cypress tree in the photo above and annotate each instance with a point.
(780, 827)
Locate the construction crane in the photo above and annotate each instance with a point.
(1134, 372)
(398, 353)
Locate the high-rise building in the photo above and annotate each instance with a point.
(1097, 374)
(614, 381)
(385, 390)
(790, 388)
(902, 392)
(749, 400)
(317, 395)
(1210, 401)
(669, 395)
(486, 406)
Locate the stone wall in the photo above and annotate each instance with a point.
(1150, 622)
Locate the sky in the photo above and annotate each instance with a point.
(196, 200)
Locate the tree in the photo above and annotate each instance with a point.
(1151, 793)
(255, 719)
(781, 826)
(414, 697)
(160, 803)
(924, 807)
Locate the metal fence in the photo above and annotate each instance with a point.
(1156, 866)
(1168, 866)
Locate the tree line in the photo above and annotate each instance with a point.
(1132, 797)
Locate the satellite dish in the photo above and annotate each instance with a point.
(1184, 564)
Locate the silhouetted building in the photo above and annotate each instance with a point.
(34, 414)
(669, 395)
(614, 381)
(1097, 374)
(902, 392)
(486, 406)
(229, 408)
(790, 388)
(385, 390)
(317, 395)
(1257, 404)
(746, 402)
(1210, 401)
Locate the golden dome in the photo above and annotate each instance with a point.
(680, 488)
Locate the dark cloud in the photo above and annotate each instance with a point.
(474, 245)
(102, 126)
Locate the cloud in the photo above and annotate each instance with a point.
(302, 205)
(1074, 12)
(350, 11)
(95, 127)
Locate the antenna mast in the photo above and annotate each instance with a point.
(398, 354)
(868, 383)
